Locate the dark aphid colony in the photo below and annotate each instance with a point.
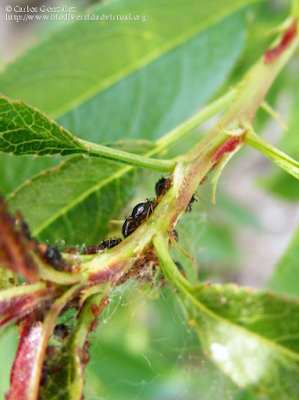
(140, 213)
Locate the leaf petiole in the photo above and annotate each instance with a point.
(272, 153)
(127, 158)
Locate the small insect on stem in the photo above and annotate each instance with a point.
(129, 227)
(191, 202)
(143, 210)
(139, 214)
(51, 256)
(61, 332)
(104, 245)
(161, 187)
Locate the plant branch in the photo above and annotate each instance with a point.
(191, 168)
(295, 9)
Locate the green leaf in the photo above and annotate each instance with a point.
(16, 170)
(74, 202)
(8, 347)
(251, 336)
(285, 278)
(143, 347)
(24, 130)
(7, 278)
(103, 78)
(82, 75)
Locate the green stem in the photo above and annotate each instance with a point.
(170, 270)
(272, 153)
(186, 127)
(127, 158)
(295, 9)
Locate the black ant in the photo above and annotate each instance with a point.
(104, 245)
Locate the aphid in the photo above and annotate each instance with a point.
(175, 235)
(84, 354)
(61, 331)
(72, 250)
(180, 268)
(54, 258)
(129, 227)
(104, 245)
(162, 186)
(143, 210)
(191, 202)
(23, 226)
(108, 244)
(51, 256)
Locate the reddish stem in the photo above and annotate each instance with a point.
(272, 54)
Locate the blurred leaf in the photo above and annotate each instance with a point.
(74, 202)
(234, 213)
(7, 278)
(285, 278)
(95, 99)
(252, 336)
(144, 349)
(141, 348)
(8, 346)
(275, 155)
(24, 131)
